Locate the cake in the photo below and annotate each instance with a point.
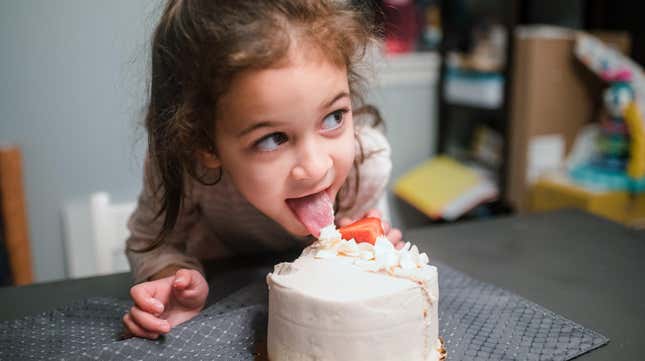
(346, 301)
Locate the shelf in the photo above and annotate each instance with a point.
(471, 98)
(481, 90)
(473, 108)
(406, 69)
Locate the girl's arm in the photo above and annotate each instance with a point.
(373, 175)
(170, 286)
(144, 227)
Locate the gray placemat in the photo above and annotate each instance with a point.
(480, 321)
(477, 320)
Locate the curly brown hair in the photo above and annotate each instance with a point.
(198, 46)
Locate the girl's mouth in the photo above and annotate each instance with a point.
(314, 211)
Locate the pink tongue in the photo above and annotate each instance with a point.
(314, 211)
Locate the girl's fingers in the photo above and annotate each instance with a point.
(395, 236)
(183, 279)
(188, 295)
(344, 221)
(386, 226)
(373, 213)
(135, 330)
(149, 322)
(190, 288)
(142, 295)
(189, 282)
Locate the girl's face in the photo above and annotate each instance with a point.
(285, 133)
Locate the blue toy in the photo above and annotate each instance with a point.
(617, 163)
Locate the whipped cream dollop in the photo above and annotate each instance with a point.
(382, 256)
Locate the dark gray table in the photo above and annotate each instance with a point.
(580, 266)
(226, 277)
(585, 268)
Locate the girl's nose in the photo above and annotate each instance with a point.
(313, 162)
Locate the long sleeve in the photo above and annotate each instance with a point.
(372, 175)
(144, 229)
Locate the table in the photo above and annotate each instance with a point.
(226, 276)
(583, 267)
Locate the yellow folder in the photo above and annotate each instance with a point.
(443, 188)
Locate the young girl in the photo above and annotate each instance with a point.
(255, 140)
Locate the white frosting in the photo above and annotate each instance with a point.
(343, 301)
(382, 256)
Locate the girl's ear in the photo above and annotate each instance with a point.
(209, 159)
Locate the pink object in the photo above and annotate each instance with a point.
(612, 127)
(314, 211)
(621, 75)
(401, 26)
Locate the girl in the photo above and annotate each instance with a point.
(253, 137)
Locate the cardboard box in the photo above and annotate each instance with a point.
(552, 93)
(550, 193)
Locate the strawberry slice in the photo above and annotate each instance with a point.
(363, 230)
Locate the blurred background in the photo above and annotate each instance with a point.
(492, 108)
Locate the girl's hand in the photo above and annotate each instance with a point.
(162, 304)
(393, 234)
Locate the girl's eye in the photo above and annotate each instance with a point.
(334, 120)
(270, 142)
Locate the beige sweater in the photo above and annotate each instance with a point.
(216, 221)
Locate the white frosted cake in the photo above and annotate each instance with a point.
(343, 301)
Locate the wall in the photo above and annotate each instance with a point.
(72, 90)
(404, 89)
(74, 81)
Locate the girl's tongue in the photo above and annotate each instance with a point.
(314, 211)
